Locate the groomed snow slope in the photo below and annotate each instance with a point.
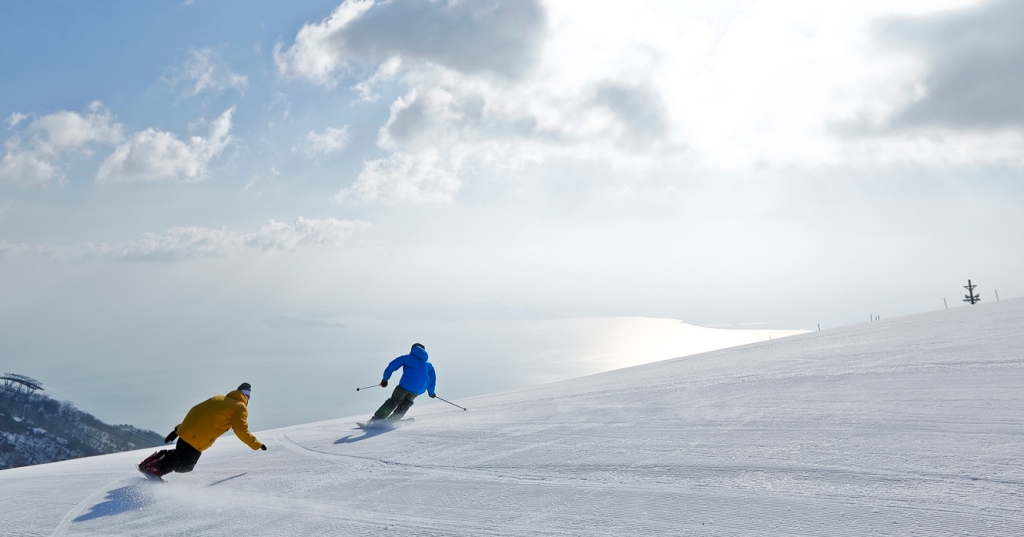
(905, 426)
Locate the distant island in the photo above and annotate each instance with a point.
(36, 428)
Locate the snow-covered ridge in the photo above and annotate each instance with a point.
(904, 426)
(52, 430)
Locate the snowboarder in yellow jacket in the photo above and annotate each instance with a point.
(200, 429)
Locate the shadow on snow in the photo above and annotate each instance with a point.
(118, 501)
(227, 479)
(367, 433)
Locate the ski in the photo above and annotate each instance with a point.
(383, 424)
(149, 476)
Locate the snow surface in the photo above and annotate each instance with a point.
(909, 426)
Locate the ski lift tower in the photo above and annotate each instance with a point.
(971, 296)
(18, 388)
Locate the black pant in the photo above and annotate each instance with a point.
(396, 406)
(182, 458)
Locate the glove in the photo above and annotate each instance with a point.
(263, 447)
(383, 384)
(170, 438)
(433, 395)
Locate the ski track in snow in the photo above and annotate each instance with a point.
(78, 509)
(910, 426)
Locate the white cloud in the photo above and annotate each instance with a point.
(499, 37)
(329, 141)
(26, 169)
(205, 70)
(187, 242)
(314, 56)
(51, 138)
(972, 56)
(16, 118)
(176, 243)
(449, 123)
(64, 131)
(385, 73)
(777, 83)
(49, 252)
(731, 85)
(421, 177)
(152, 155)
(146, 156)
(304, 232)
(457, 113)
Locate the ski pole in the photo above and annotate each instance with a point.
(449, 402)
(368, 387)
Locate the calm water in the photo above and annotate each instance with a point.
(303, 374)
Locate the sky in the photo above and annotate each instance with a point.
(176, 167)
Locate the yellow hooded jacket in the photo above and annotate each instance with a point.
(213, 417)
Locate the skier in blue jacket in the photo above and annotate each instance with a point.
(417, 376)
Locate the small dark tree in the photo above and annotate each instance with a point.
(971, 296)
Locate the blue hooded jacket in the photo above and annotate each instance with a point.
(417, 373)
